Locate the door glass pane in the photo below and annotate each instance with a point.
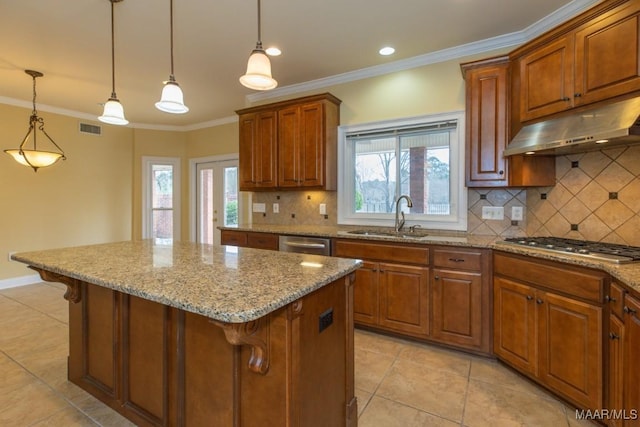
(230, 196)
(162, 204)
(163, 226)
(205, 205)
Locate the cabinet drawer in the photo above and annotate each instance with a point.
(233, 238)
(457, 259)
(557, 276)
(262, 241)
(616, 299)
(383, 252)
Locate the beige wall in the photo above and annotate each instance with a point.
(83, 200)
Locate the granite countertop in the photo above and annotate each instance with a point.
(627, 274)
(224, 283)
(423, 236)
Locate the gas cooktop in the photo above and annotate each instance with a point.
(609, 252)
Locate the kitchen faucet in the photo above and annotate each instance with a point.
(400, 221)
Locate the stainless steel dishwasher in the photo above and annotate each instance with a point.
(305, 245)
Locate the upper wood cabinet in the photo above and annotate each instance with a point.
(487, 132)
(290, 144)
(596, 57)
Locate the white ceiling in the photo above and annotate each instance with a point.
(69, 41)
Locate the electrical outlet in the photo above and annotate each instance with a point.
(323, 209)
(259, 207)
(517, 213)
(325, 320)
(493, 212)
(276, 208)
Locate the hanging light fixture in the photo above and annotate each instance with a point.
(258, 75)
(113, 112)
(171, 100)
(35, 158)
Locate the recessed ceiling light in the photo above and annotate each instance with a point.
(387, 50)
(273, 51)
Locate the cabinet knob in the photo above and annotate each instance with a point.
(566, 99)
(539, 301)
(529, 297)
(613, 336)
(577, 95)
(607, 298)
(500, 172)
(437, 277)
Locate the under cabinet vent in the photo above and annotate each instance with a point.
(90, 129)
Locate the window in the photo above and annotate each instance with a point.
(421, 157)
(161, 199)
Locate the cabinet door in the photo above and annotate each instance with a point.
(365, 294)
(404, 299)
(514, 324)
(608, 56)
(570, 346)
(301, 142)
(631, 360)
(546, 75)
(616, 374)
(486, 125)
(457, 307)
(258, 151)
(289, 147)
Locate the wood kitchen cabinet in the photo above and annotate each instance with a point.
(391, 291)
(460, 297)
(616, 374)
(593, 57)
(487, 132)
(249, 239)
(548, 324)
(290, 144)
(258, 151)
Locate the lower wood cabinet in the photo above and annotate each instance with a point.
(460, 298)
(388, 294)
(550, 334)
(249, 239)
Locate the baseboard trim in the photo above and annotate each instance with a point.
(14, 282)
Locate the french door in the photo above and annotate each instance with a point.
(216, 199)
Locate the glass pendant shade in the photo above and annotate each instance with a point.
(172, 100)
(34, 158)
(113, 113)
(258, 75)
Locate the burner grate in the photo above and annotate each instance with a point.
(609, 251)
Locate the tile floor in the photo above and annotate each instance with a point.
(398, 383)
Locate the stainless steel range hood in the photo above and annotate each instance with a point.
(586, 130)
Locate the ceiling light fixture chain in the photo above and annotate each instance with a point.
(113, 111)
(258, 75)
(36, 158)
(172, 99)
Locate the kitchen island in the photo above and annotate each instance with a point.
(191, 334)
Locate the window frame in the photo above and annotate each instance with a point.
(147, 192)
(456, 220)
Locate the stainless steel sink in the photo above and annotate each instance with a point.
(416, 235)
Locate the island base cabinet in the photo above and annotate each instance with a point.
(161, 366)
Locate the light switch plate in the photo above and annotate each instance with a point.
(323, 209)
(259, 207)
(493, 212)
(517, 213)
(276, 208)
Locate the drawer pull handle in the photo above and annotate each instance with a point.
(613, 336)
(529, 297)
(610, 299)
(456, 259)
(629, 310)
(539, 301)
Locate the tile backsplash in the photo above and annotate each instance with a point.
(596, 197)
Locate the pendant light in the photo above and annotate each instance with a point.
(35, 158)
(171, 100)
(258, 75)
(113, 112)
